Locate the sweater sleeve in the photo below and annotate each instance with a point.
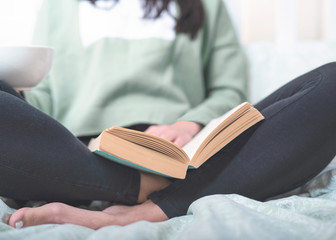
(225, 74)
(40, 96)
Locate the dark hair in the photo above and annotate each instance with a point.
(190, 20)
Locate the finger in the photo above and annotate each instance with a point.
(181, 141)
(168, 136)
(149, 129)
(156, 130)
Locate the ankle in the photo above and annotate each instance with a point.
(150, 183)
(56, 212)
(147, 211)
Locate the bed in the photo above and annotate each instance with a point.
(308, 212)
(309, 216)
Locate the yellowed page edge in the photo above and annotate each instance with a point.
(135, 154)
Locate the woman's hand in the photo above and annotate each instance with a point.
(179, 133)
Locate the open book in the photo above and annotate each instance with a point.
(156, 155)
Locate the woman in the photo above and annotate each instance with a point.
(293, 144)
(112, 66)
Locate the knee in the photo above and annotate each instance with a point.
(3, 85)
(5, 88)
(331, 65)
(328, 72)
(8, 100)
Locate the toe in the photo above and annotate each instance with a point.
(16, 220)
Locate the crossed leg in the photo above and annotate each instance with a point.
(321, 88)
(39, 171)
(59, 213)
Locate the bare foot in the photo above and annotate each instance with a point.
(58, 213)
(147, 211)
(116, 209)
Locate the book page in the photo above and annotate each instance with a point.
(123, 151)
(191, 147)
(94, 143)
(151, 142)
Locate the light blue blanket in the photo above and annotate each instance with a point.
(214, 217)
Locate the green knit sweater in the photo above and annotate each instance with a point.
(118, 81)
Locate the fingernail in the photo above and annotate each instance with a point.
(18, 224)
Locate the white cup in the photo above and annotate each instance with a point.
(23, 67)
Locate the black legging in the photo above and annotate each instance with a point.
(41, 160)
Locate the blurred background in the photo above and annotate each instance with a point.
(282, 38)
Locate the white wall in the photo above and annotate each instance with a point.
(17, 19)
(277, 35)
(283, 21)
